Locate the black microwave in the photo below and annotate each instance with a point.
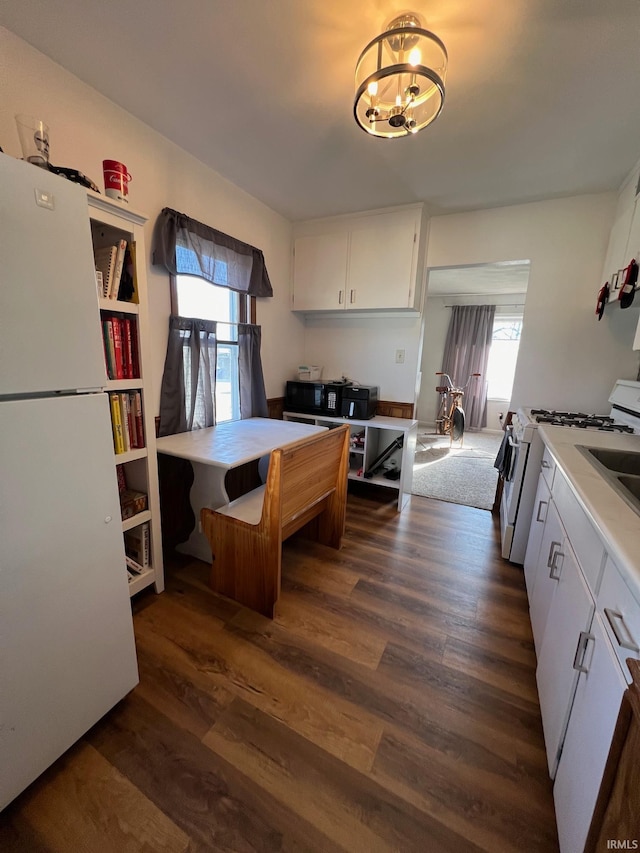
(314, 398)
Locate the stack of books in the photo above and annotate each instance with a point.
(117, 267)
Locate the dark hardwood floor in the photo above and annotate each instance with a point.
(391, 705)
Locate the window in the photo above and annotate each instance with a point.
(503, 356)
(193, 296)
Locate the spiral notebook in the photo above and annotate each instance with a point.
(106, 264)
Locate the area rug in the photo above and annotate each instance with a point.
(457, 474)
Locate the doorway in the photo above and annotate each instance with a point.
(454, 471)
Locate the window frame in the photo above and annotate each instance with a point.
(246, 309)
(507, 317)
(246, 305)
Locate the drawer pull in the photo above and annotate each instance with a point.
(554, 545)
(581, 651)
(614, 617)
(552, 562)
(546, 464)
(340, 295)
(540, 505)
(555, 567)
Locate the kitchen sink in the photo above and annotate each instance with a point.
(620, 468)
(620, 461)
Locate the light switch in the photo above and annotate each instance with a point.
(399, 356)
(44, 199)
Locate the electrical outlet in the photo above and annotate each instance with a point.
(399, 356)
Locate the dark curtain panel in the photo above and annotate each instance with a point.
(187, 395)
(253, 397)
(466, 351)
(185, 246)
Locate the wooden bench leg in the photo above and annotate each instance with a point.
(246, 563)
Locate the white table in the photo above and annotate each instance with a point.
(216, 450)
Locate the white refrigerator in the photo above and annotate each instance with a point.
(67, 651)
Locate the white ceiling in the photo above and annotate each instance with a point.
(541, 101)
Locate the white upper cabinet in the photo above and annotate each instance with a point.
(371, 262)
(320, 272)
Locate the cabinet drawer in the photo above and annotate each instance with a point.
(548, 467)
(620, 614)
(585, 541)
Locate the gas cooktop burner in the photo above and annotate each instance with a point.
(579, 420)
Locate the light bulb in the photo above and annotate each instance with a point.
(415, 57)
(372, 88)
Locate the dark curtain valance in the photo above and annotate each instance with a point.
(187, 247)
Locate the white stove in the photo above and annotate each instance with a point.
(523, 448)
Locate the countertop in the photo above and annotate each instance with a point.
(617, 524)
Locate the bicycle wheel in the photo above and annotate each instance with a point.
(457, 427)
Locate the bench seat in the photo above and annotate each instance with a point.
(305, 490)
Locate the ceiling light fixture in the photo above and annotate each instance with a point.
(400, 79)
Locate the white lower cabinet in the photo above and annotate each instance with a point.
(587, 740)
(562, 649)
(545, 574)
(540, 510)
(585, 621)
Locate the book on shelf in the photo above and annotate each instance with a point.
(132, 502)
(109, 348)
(105, 260)
(133, 567)
(135, 297)
(116, 423)
(125, 416)
(120, 339)
(122, 478)
(116, 326)
(121, 248)
(136, 410)
(99, 283)
(137, 544)
(128, 330)
(127, 287)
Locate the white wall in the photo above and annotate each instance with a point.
(364, 350)
(567, 357)
(86, 128)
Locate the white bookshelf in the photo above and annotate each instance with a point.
(377, 434)
(110, 222)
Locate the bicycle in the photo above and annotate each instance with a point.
(450, 417)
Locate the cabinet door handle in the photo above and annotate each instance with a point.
(581, 651)
(352, 296)
(340, 297)
(546, 464)
(540, 505)
(553, 547)
(614, 616)
(554, 574)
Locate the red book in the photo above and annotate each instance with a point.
(127, 349)
(134, 350)
(117, 347)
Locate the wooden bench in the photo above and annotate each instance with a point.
(306, 487)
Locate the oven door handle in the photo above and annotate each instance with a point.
(513, 445)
